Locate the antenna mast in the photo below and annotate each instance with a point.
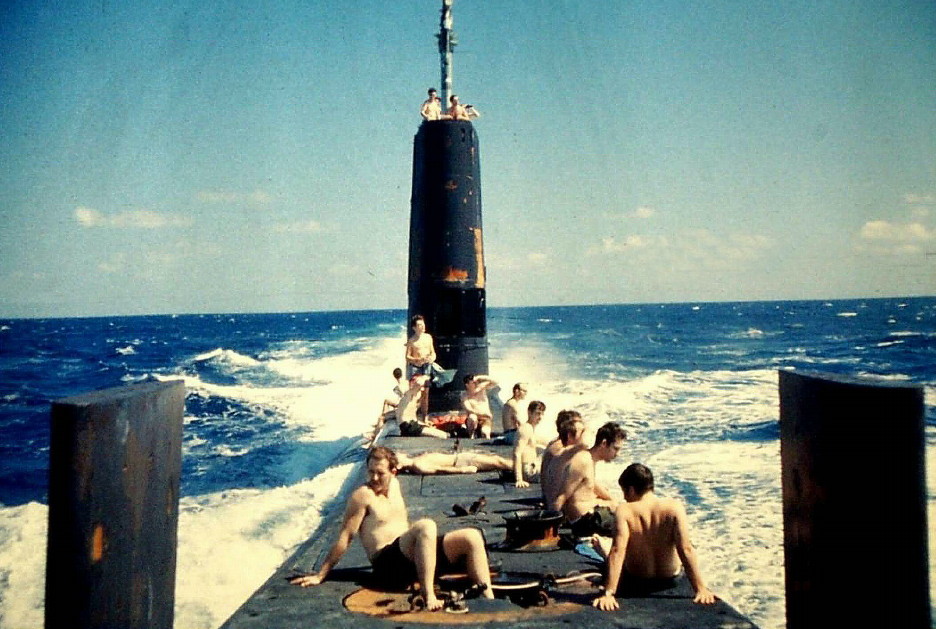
(447, 43)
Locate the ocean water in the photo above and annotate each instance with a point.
(277, 402)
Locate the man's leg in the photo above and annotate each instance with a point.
(418, 545)
(468, 544)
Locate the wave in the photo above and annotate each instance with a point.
(227, 356)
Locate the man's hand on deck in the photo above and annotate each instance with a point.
(705, 596)
(307, 580)
(521, 483)
(606, 602)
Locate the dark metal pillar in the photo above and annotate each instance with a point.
(115, 463)
(446, 257)
(854, 502)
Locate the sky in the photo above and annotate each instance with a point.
(172, 156)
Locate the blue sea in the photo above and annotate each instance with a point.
(275, 403)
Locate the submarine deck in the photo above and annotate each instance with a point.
(277, 604)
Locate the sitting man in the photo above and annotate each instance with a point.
(526, 461)
(451, 463)
(584, 502)
(393, 399)
(409, 422)
(510, 414)
(475, 401)
(400, 552)
(651, 540)
(571, 429)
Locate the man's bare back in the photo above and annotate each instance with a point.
(555, 457)
(653, 534)
(651, 540)
(576, 495)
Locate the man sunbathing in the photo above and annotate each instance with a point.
(451, 463)
(651, 540)
(400, 552)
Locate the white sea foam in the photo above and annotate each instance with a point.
(231, 542)
(22, 565)
(847, 314)
(126, 351)
(227, 356)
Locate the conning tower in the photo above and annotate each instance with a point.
(446, 254)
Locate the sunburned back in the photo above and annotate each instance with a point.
(548, 481)
(651, 546)
(385, 519)
(406, 409)
(577, 475)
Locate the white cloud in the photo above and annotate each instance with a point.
(302, 227)
(691, 249)
(920, 199)
(894, 239)
(132, 219)
(214, 197)
(537, 258)
(896, 232)
(114, 264)
(88, 217)
(643, 212)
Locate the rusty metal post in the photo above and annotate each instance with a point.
(115, 463)
(854, 502)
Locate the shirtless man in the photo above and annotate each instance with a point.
(452, 463)
(571, 429)
(475, 401)
(510, 415)
(651, 540)
(420, 354)
(456, 110)
(399, 552)
(407, 419)
(432, 108)
(525, 459)
(583, 501)
(393, 400)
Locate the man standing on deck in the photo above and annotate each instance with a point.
(526, 462)
(510, 415)
(651, 540)
(420, 355)
(584, 502)
(400, 552)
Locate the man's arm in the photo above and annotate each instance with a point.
(485, 382)
(607, 602)
(431, 356)
(411, 356)
(354, 515)
(523, 442)
(687, 556)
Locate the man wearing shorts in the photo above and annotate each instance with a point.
(397, 550)
(584, 502)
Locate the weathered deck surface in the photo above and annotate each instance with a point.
(280, 605)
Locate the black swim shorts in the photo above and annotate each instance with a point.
(392, 568)
(411, 428)
(600, 520)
